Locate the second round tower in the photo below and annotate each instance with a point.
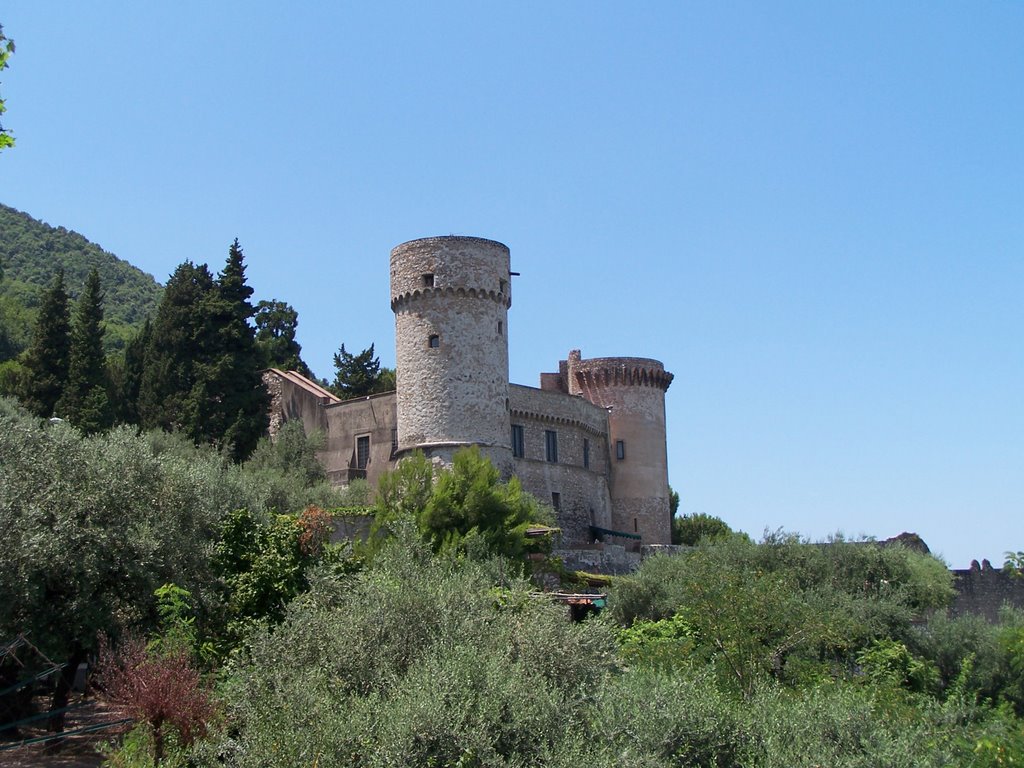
(451, 296)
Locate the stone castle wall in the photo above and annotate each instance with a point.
(583, 498)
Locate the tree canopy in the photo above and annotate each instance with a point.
(462, 509)
(47, 360)
(276, 323)
(360, 375)
(201, 367)
(84, 401)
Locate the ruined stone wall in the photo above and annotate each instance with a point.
(983, 590)
(450, 296)
(582, 492)
(290, 402)
(611, 559)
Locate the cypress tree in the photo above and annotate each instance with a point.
(202, 368)
(171, 393)
(240, 418)
(84, 401)
(47, 359)
(130, 384)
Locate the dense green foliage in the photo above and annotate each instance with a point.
(200, 368)
(47, 360)
(422, 660)
(360, 375)
(31, 252)
(464, 509)
(84, 400)
(415, 661)
(90, 526)
(690, 529)
(233, 378)
(276, 322)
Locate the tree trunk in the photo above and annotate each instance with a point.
(158, 742)
(62, 691)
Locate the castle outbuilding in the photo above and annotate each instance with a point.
(590, 441)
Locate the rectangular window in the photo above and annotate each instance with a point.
(362, 451)
(556, 501)
(517, 441)
(551, 445)
(586, 453)
(434, 341)
(428, 280)
(394, 439)
(620, 449)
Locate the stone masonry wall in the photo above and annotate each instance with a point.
(582, 491)
(633, 391)
(372, 417)
(454, 390)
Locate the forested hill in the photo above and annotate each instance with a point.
(31, 251)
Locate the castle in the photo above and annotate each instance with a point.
(590, 441)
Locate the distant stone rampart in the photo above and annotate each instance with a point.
(982, 590)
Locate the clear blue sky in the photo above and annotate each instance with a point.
(810, 212)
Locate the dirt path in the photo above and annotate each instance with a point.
(73, 751)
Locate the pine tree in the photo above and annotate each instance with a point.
(84, 401)
(355, 375)
(47, 359)
(240, 416)
(276, 322)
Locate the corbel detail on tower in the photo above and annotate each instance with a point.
(473, 293)
(553, 419)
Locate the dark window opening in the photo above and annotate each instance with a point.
(428, 280)
(502, 285)
(586, 453)
(556, 501)
(434, 341)
(635, 528)
(394, 440)
(499, 328)
(518, 446)
(362, 451)
(620, 449)
(551, 445)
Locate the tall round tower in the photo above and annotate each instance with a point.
(633, 391)
(450, 296)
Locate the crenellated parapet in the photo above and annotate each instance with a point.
(619, 372)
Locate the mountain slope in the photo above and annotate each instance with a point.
(31, 251)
